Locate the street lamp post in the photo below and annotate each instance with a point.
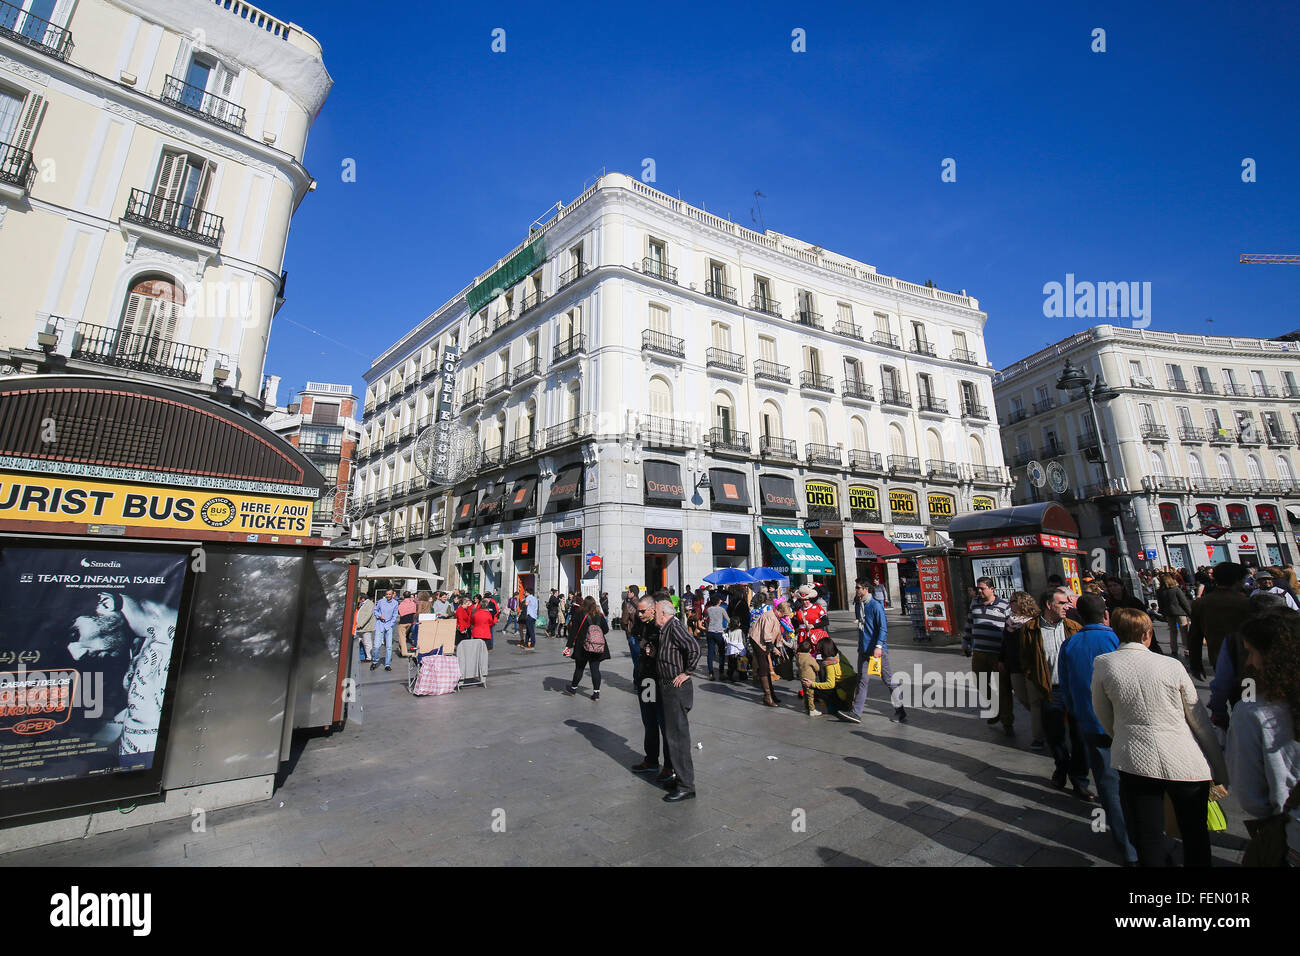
(1073, 378)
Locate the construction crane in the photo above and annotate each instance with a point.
(1272, 259)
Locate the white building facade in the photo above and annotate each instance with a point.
(1203, 432)
(656, 385)
(150, 162)
(322, 423)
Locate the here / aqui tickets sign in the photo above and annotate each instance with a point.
(25, 497)
(1014, 542)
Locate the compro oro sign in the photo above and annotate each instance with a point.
(822, 494)
(902, 506)
(71, 499)
(864, 503)
(982, 503)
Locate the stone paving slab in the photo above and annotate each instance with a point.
(422, 781)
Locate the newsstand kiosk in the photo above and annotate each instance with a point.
(1019, 547)
(166, 619)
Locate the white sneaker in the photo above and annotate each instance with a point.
(814, 713)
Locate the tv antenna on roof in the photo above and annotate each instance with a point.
(757, 205)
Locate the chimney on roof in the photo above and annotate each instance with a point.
(270, 391)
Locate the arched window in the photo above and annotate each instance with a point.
(817, 428)
(933, 445)
(1195, 467)
(1253, 469)
(1225, 468)
(724, 414)
(1284, 469)
(858, 433)
(524, 423)
(897, 441)
(770, 419)
(1158, 464)
(149, 319)
(976, 451)
(661, 397)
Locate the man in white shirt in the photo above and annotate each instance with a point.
(528, 622)
(1264, 582)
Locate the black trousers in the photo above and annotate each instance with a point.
(595, 673)
(1143, 800)
(652, 714)
(677, 702)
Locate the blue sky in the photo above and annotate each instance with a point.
(1116, 166)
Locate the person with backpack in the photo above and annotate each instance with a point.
(588, 646)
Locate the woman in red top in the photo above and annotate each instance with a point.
(810, 613)
(462, 621)
(481, 621)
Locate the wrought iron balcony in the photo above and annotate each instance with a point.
(16, 167)
(1178, 385)
(1214, 486)
(884, 338)
(658, 432)
(1281, 439)
(923, 348)
(1187, 433)
(1050, 450)
(139, 353)
(1087, 440)
(565, 432)
(1220, 436)
(383, 494)
(1204, 388)
(855, 388)
(783, 448)
(945, 470)
(167, 215)
(765, 371)
(569, 348)
(503, 319)
(527, 371)
(895, 396)
(1264, 391)
(761, 303)
(1045, 405)
(520, 448)
(729, 440)
(1241, 486)
(195, 100)
(476, 336)
(1291, 391)
(1106, 489)
(1249, 438)
(1232, 388)
(810, 319)
(720, 290)
(500, 383)
(492, 457)
(1271, 486)
(865, 461)
(652, 341)
(23, 27)
(985, 475)
(848, 329)
(816, 381)
(822, 454)
(903, 465)
(1021, 458)
(1165, 483)
(721, 358)
(416, 529)
(974, 410)
(659, 269)
(575, 273)
(1153, 432)
(471, 398)
(928, 403)
(964, 355)
(531, 302)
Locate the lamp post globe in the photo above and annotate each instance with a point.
(1072, 377)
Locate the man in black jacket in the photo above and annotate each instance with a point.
(675, 652)
(552, 613)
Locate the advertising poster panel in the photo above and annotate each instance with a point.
(933, 574)
(1071, 566)
(85, 661)
(1006, 573)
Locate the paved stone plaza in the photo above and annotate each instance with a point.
(419, 781)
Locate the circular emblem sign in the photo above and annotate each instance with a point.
(218, 512)
(1056, 477)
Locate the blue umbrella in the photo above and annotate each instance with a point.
(724, 576)
(759, 575)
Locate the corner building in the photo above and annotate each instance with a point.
(655, 385)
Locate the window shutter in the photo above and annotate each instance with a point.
(859, 435)
(767, 349)
(33, 113)
(137, 312)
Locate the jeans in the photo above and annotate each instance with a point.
(1064, 740)
(1107, 780)
(1144, 811)
(717, 645)
(677, 702)
(529, 631)
(384, 638)
(864, 680)
(594, 664)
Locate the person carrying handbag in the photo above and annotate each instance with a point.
(587, 645)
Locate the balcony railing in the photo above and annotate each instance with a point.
(848, 329)
(16, 167)
(1271, 486)
(903, 465)
(1016, 415)
(168, 215)
(34, 32)
(1280, 439)
(923, 348)
(765, 371)
(197, 101)
(928, 403)
(822, 454)
(884, 338)
(1204, 388)
(476, 336)
(652, 341)
(531, 302)
(974, 410)
(527, 370)
(986, 475)
(1241, 486)
(1264, 391)
(728, 439)
(1049, 450)
(856, 388)
(783, 448)
(721, 358)
(1187, 433)
(140, 353)
(1291, 391)
(500, 383)
(946, 470)
(566, 432)
(1208, 485)
(1045, 405)
(520, 448)
(568, 348)
(1178, 385)
(1232, 388)
(572, 275)
(1153, 432)
(472, 397)
(492, 457)
(865, 461)
(761, 303)
(1021, 458)
(503, 319)
(659, 269)
(1106, 489)
(1220, 436)
(1087, 440)
(658, 432)
(895, 396)
(720, 290)
(1165, 483)
(964, 355)
(816, 381)
(810, 319)
(1249, 438)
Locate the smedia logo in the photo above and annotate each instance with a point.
(100, 564)
(26, 578)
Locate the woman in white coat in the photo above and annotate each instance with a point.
(1163, 742)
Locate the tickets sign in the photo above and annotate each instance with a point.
(66, 498)
(1016, 542)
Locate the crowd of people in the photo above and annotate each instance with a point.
(1107, 701)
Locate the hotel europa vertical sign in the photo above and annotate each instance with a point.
(445, 417)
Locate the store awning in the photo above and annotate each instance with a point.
(798, 549)
(566, 490)
(663, 482)
(465, 506)
(876, 543)
(729, 487)
(778, 494)
(522, 495)
(492, 505)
